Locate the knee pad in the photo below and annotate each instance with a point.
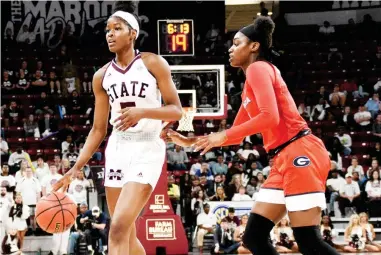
(310, 241)
(257, 235)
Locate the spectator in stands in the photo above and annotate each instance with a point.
(347, 119)
(205, 171)
(362, 118)
(373, 189)
(333, 188)
(12, 115)
(7, 85)
(11, 243)
(49, 180)
(6, 203)
(370, 233)
(345, 140)
(350, 87)
(334, 57)
(54, 83)
(7, 181)
(374, 105)
(18, 215)
(304, 111)
(47, 125)
(326, 31)
(40, 68)
(95, 227)
(72, 154)
(374, 166)
(86, 83)
(266, 170)
(375, 153)
(78, 188)
(29, 187)
(261, 179)
(75, 105)
(16, 158)
(4, 148)
(206, 223)
(70, 83)
(173, 192)
(22, 84)
(252, 187)
(30, 127)
(328, 232)
(177, 159)
(220, 167)
(247, 149)
(8, 41)
(197, 201)
(207, 108)
(39, 83)
(223, 125)
(238, 234)
(354, 235)
(21, 173)
(285, 241)
(376, 129)
(337, 98)
(322, 94)
(41, 168)
(79, 229)
(219, 195)
(65, 144)
(319, 111)
(356, 168)
(241, 195)
(233, 186)
(377, 86)
(223, 239)
(44, 105)
(349, 195)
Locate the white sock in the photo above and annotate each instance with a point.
(90, 248)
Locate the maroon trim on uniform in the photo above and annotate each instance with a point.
(120, 70)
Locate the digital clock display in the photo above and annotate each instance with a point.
(175, 37)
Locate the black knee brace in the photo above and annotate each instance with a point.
(257, 235)
(310, 241)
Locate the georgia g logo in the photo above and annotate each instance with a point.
(302, 161)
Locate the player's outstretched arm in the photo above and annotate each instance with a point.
(169, 135)
(97, 132)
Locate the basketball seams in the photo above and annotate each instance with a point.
(43, 199)
(53, 207)
(63, 215)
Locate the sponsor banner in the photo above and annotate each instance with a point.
(220, 208)
(160, 205)
(160, 229)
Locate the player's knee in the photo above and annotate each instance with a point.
(119, 229)
(254, 238)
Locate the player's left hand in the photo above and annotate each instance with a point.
(210, 141)
(129, 116)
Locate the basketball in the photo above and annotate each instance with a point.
(56, 212)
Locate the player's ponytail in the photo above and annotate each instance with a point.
(261, 31)
(126, 6)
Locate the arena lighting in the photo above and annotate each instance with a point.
(241, 2)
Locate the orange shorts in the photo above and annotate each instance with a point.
(298, 176)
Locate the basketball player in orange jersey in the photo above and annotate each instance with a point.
(296, 183)
(131, 84)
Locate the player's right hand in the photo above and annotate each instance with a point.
(178, 139)
(63, 183)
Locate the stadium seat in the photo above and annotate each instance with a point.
(50, 152)
(15, 132)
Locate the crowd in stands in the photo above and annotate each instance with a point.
(47, 111)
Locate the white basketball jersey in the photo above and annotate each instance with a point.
(133, 86)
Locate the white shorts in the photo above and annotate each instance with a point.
(133, 160)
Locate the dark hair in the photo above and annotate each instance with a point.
(371, 175)
(330, 224)
(127, 6)
(231, 210)
(224, 220)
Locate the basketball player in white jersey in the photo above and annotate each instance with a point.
(131, 84)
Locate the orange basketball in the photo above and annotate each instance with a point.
(56, 212)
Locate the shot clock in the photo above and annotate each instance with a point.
(175, 37)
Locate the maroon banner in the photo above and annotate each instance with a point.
(159, 226)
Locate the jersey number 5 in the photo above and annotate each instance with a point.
(128, 104)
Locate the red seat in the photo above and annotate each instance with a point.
(15, 132)
(15, 140)
(33, 140)
(34, 152)
(50, 152)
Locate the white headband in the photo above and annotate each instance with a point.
(130, 19)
